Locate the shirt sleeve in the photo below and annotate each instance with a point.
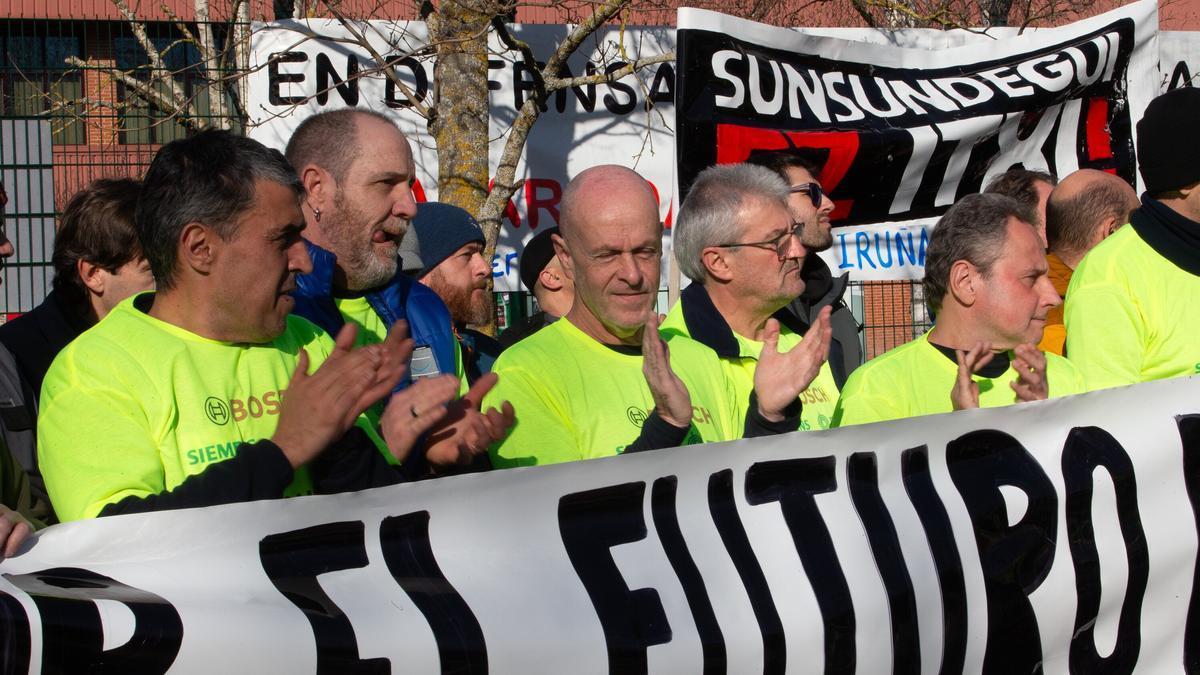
(113, 459)
(1105, 335)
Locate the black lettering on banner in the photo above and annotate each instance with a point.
(1087, 448)
(523, 83)
(591, 523)
(586, 95)
(614, 105)
(420, 86)
(73, 634)
(737, 544)
(347, 88)
(293, 561)
(794, 483)
(1180, 77)
(410, 559)
(16, 646)
(666, 523)
(662, 89)
(918, 483)
(276, 78)
(863, 481)
(1189, 433)
(1015, 559)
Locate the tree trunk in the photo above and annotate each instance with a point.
(459, 119)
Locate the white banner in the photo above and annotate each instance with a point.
(629, 122)
(613, 123)
(1058, 537)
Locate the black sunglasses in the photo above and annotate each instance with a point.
(813, 190)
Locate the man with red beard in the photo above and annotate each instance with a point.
(451, 245)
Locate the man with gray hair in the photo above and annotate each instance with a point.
(986, 279)
(736, 240)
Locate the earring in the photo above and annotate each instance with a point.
(317, 213)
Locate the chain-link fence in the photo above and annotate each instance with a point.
(70, 115)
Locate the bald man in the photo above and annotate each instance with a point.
(602, 382)
(1083, 209)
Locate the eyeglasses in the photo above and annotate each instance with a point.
(779, 245)
(813, 190)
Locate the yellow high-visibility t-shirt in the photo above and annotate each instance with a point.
(135, 405)
(817, 401)
(915, 379)
(1132, 315)
(576, 398)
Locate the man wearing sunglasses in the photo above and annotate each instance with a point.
(736, 240)
(811, 208)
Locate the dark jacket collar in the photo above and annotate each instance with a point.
(821, 288)
(708, 327)
(1170, 234)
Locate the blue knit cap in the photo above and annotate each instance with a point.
(441, 230)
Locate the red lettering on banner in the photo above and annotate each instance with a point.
(736, 142)
(534, 203)
(418, 191)
(658, 201)
(1099, 139)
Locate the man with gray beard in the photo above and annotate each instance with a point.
(357, 170)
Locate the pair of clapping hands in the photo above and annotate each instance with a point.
(320, 408)
(779, 377)
(1029, 363)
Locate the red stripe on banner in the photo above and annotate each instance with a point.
(736, 142)
(1099, 139)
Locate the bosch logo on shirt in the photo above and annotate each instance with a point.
(219, 412)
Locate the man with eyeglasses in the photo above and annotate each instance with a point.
(812, 208)
(601, 381)
(736, 240)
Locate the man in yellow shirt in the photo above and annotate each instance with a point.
(1133, 307)
(601, 381)
(986, 279)
(1084, 209)
(177, 399)
(736, 239)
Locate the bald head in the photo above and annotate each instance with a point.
(1083, 209)
(603, 189)
(611, 248)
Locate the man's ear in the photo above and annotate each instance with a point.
(319, 186)
(716, 264)
(199, 246)
(551, 278)
(964, 282)
(1107, 227)
(564, 256)
(92, 275)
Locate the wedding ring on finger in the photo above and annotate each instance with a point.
(413, 409)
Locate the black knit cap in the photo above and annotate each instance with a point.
(1168, 143)
(538, 253)
(441, 230)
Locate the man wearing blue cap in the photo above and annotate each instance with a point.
(451, 245)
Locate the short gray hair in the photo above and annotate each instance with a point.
(708, 215)
(208, 178)
(974, 230)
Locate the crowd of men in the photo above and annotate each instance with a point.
(246, 324)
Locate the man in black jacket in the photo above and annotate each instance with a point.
(811, 208)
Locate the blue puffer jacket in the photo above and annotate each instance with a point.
(402, 298)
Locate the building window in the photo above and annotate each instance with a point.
(37, 81)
